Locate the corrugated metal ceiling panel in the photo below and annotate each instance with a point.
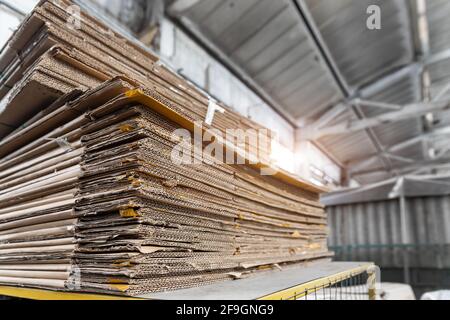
(346, 147)
(412, 152)
(401, 93)
(363, 55)
(373, 177)
(438, 12)
(268, 40)
(439, 75)
(439, 24)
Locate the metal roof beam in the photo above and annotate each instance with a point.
(330, 115)
(178, 7)
(437, 57)
(407, 112)
(338, 109)
(421, 29)
(316, 36)
(398, 158)
(375, 104)
(422, 165)
(367, 161)
(442, 93)
(428, 164)
(389, 80)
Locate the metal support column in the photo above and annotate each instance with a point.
(405, 239)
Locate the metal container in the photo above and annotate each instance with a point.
(372, 231)
(401, 225)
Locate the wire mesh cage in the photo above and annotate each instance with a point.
(353, 288)
(356, 284)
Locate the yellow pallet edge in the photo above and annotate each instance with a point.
(315, 285)
(298, 291)
(39, 294)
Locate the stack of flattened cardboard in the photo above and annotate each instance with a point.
(54, 57)
(39, 180)
(90, 199)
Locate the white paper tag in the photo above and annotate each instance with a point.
(212, 108)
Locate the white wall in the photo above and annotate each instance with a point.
(313, 165)
(9, 21)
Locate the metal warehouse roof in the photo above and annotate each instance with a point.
(269, 41)
(407, 186)
(371, 98)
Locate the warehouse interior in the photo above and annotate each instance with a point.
(356, 91)
(322, 55)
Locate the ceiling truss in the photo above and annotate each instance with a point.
(356, 98)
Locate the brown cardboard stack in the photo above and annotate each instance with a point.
(89, 197)
(39, 181)
(62, 57)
